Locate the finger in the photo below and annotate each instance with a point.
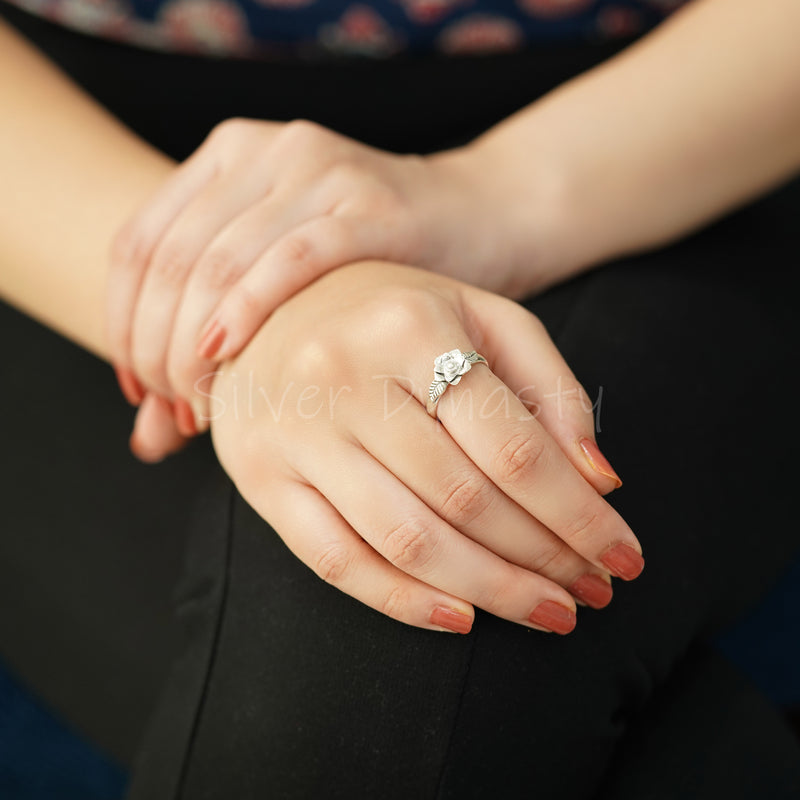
(318, 535)
(155, 435)
(435, 469)
(231, 253)
(134, 243)
(526, 359)
(295, 260)
(512, 448)
(172, 262)
(396, 523)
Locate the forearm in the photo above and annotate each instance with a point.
(695, 119)
(71, 175)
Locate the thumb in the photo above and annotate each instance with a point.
(155, 434)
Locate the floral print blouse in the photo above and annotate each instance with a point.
(377, 28)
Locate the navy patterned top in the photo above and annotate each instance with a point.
(377, 28)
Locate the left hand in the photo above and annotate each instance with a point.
(260, 210)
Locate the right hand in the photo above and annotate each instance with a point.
(493, 506)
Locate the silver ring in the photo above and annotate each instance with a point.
(448, 369)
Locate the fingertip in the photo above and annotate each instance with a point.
(451, 619)
(555, 617)
(155, 434)
(600, 465)
(623, 561)
(592, 590)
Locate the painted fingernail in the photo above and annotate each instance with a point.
(593, 590)
(554, 617)
(143, 453)
(184, 418)
(211, 340)
(623, 562)
(598, 462)
(452, 620)
(129, 384)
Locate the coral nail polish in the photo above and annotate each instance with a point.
(623, 562)
(452, 620)
(184, 418)
(592, 590)
(598, 462)
(211, 340)
(554, 617)
(129, 385)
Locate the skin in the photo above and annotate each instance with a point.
(704, 109)
(110, 173)
(708, 145)
(492, 505)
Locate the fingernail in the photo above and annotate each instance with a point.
(184, 418)
(452, 620)
(142, 453)
(129, 384)
(598, 462)
(623, 562)
(593, 590)
(554, 617)
(211, 340)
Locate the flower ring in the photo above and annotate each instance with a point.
(448, 369)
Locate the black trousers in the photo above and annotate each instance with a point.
(166, 620)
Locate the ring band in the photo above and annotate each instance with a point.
(448, 369)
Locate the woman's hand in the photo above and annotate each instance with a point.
(321, 423)
(262, 209)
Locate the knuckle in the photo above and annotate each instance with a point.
(519, 457)
(396, 603)
(171, 267)
(546, 556)
(297, 250)
(465, 499)
(319, 358)
(302, 134)
(128, 248)
(243, 303)
(228, 129)
(346, 175)
(406, 312)
(333, 563)
(498, 595)
(583, 524)
(410, 545)
(220, 268)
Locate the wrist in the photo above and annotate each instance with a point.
(513, 210)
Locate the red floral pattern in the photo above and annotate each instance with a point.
(374, 28)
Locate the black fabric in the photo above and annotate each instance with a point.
(241, 675)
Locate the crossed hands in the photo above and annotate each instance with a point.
(316, 398)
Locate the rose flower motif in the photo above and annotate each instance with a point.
(451, 366)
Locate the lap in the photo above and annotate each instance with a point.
(265, 680)
(308, 693)
(158, 591)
